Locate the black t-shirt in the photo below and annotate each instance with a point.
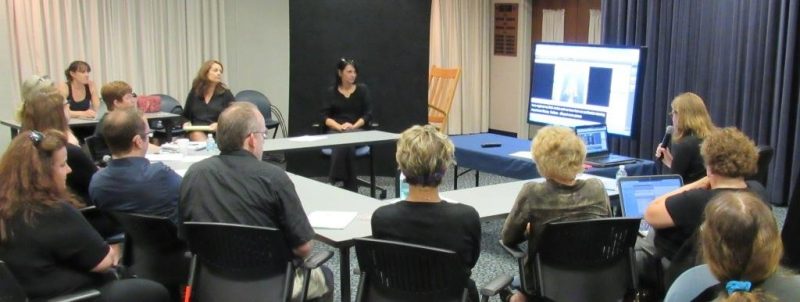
(53, 255)
(82, 170)
(444, 225)
(686, 210)
(347, 110)
(686, 159)
(199, 113)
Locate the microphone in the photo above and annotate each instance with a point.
(665, 141)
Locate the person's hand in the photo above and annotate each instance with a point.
(187, 124)
(303, 250)
(528, 229)
(347, 126)
(213, 127)
(667, 159)
(86, 114)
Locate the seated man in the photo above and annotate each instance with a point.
(729, 157)
(131, 183)
(423, 154)
(237, 187)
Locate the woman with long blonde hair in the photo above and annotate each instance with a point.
(692, 125)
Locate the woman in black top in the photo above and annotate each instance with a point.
(80, 91)
(346, 107)
(692, 125)
(207, 99)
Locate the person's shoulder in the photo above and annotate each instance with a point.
(63, 88)
(386, 211)
(461, 209)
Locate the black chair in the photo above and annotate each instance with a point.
(11, 291)
(154, 251)
(98, 150)
(102, 222)
(262, 102)
(397, 271)
(764, 158)
(243, 263)
(169, 105)
(589, 260)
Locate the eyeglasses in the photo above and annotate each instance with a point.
(263, 133)
(347, 61)
(36, 137)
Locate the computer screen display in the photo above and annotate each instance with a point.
(637, 193)
(594, 137)
(577, 84)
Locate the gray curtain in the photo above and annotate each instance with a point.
(742, 57)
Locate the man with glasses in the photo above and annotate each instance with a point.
(237, 187)
(131, 183)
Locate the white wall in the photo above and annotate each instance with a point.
(257, 34)
(9, 94)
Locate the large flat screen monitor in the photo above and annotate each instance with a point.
(578, 84)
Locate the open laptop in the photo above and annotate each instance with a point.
(637, 192)
(595, 137)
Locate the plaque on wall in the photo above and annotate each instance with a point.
(505, 29)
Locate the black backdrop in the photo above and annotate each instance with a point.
(389, 41)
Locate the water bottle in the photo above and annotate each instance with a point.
(211, 144)
(403, 187)
(621, 172)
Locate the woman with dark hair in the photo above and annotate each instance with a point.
(44, 108)
(692, 125)
(80, 91)
(346, 107)
(207, 99)
(46, 242)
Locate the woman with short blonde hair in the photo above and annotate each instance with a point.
(559, 153)
(423, 155)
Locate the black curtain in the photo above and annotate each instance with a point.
(742, 57)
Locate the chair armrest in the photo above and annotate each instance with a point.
(79, 296)
(515, 251)
(494, 287)
(317, 259)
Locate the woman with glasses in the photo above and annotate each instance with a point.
(80, 91)
(44, 108)
(46, 243)
(207, 99)
(692, 124)
(346, 107)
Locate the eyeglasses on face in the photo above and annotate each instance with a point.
(263, 133)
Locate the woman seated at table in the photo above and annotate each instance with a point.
(559, 155)
(346, 107)
(207, 99)
(44, 108)
(47, 244)
(80, 91)
(423, 155)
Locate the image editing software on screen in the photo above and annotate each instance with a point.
(576, 85)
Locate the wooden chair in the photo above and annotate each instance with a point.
(442, 83)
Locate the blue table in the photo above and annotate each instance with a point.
(497, 160)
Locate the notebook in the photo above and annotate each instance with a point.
(595, 137)
(636, 193)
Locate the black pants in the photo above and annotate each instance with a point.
(343, 166)
(133, 290)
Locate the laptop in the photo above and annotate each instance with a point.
(636, 193)
(595, 137)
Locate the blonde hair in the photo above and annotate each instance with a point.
(558, 152)
(693, 118)
(34, 84)
(423, 155)
(740, 241)
(730, 153)
(42, 108)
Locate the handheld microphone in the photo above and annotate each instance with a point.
(665, 141)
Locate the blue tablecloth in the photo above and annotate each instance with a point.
(470, 154)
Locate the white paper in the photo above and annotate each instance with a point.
(308, 138)
(164, 157)
(523, 154)
(181, 172)
(331, 219)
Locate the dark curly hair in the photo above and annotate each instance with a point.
(729, 152)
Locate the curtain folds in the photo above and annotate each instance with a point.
(740, 56)
(156, 46)
(595, 26)
(553, 25)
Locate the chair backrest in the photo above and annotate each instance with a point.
(239, 263)
(10, 290)
(442, 83)
(588, 260)
(764, 158)
(170, 104)
(256, 98)
(691, 284)
(96, 148)
(153, 249)
(396, 271)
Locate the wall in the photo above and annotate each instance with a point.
(8, 92)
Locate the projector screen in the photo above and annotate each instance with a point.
(577, 85)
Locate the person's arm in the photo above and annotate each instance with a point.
(292, 220)
(665, 154)
(514, 228)
(475, 234)
(82, 170)
(111, 259)
(683, 154)
(74, 242)
(325, 112)
(656, 213)
(188, 113)
(95, 97)
(366, 107)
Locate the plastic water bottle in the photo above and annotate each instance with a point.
(211, 144)
(403, 187)
(621, 172)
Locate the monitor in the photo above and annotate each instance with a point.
(595, 139)
(637, 192)
(580, 84)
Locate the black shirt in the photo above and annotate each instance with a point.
(199, 113)
(101, 148)
(82, 105)
(686, 159)
(54, 255)
(347, 110)
(82, 170)
(236, 187)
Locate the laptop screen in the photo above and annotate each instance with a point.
(636, 193)
(594, 137)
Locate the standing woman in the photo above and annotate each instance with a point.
(80, 91)
(207, 99)
(347, 106)
(692, 125)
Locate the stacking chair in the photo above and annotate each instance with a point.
(397, 271)
(243, 263)
(262, 102)
(154, 251)
(98, 150)
(11, 291)
(589, 260)
(764, 158)
(103, 224)
(442, 83)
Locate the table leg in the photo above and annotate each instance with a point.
(371, 174)
(477, 177)
(344, 272)
(168, 125)
(455, 177)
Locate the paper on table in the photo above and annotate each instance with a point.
(164, 156)
(307, 138)
(331, 219)
(197, 128)
(523, 154)
(181, 172)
